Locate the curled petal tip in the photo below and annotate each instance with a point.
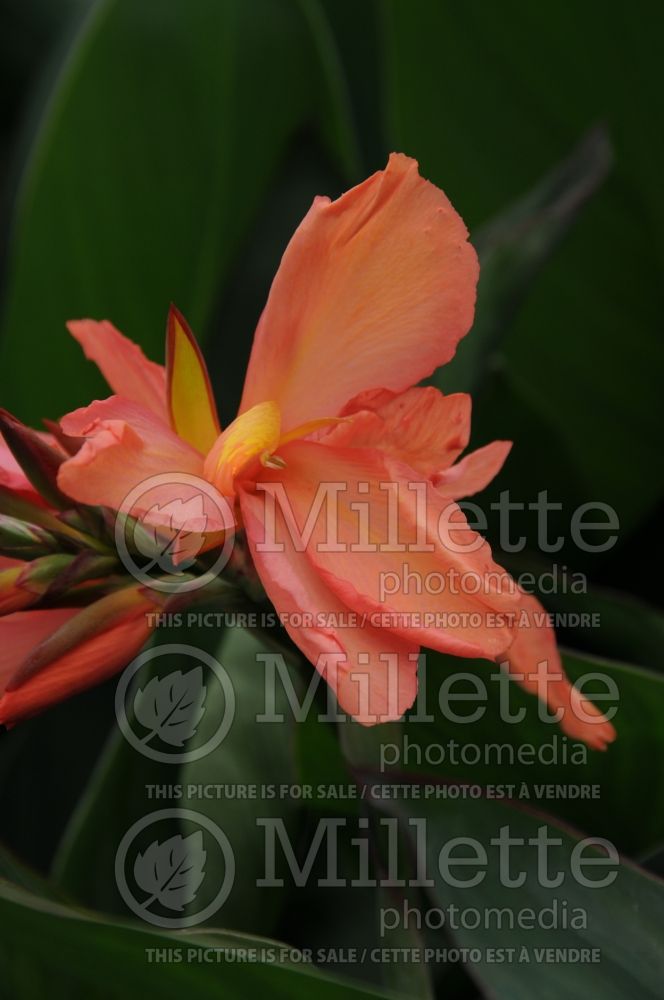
(584, 721)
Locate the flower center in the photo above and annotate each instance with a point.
(254, 434)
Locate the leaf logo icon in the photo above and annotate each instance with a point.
(171, 707)
(172, 872)
(172, 535)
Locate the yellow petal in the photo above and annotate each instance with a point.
(253, 434)
(191, 403)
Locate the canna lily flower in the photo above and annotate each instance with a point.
(373, 293)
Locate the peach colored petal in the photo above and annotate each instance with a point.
(368, 399)
(126, 444)
(22, 631)
(84, 422)
(374, 289)
(89, 663)
(122, 363)
(435, 587)
(423, 428)
(534, 661)
(372, 673)
(474, 472)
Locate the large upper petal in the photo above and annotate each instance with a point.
(534, 662)
(375, 289)
(122, 363)
(372, 673)
(418, 570)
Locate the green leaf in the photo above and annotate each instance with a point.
(336, 119)
(469, 94)
(629, 629)
(514, 246)
(113, 800)
(116, 796)
(320, 763)
(406, 974)
(474, 742)
(152, 158)
(254, 757)
(600, 621)
(12, 870)
(49, 948)
(622, 920)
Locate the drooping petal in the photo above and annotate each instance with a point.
(123, 364)
(374, 290)
(193, 412)
(96, 658)
(127, 445)
(421, 427)
(534, 662)
(372, 673)
(474, 472)
(386, 544)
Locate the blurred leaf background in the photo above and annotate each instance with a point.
(156, 151)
